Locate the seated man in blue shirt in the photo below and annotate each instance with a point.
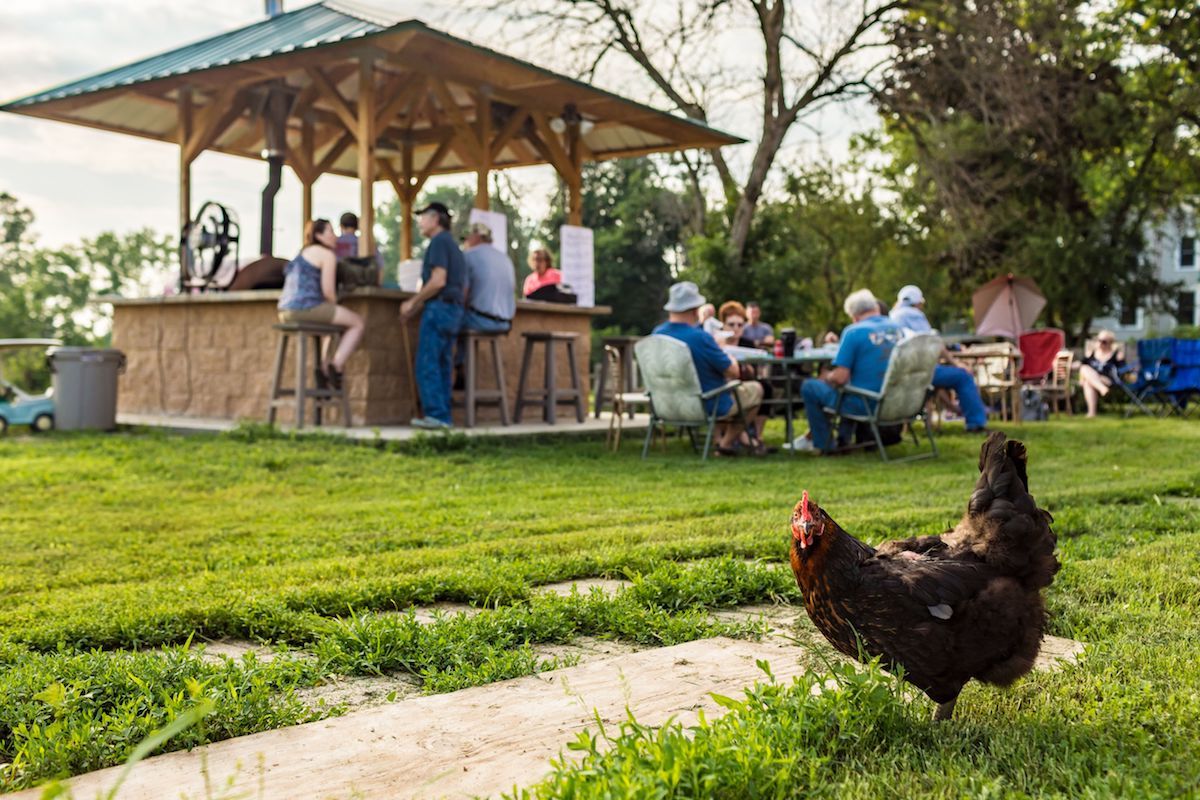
(861, 360)
(909, 314)
(713, 365)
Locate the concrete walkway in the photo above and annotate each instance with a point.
(474, 742)
(478, 741)
(633, 430)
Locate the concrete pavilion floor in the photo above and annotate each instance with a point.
(631, 428)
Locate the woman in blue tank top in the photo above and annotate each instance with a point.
(310, 295)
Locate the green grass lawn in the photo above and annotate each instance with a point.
(120, 553)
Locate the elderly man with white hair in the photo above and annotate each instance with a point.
(861, 360)
(909, 313)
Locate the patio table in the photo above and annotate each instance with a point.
(783, 369)
(979, 354)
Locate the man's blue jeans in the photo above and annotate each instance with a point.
(435, 351)
(817, 395)
(948, 377)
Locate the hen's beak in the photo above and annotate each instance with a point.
(802, 532)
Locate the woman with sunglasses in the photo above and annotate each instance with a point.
(1100, 369)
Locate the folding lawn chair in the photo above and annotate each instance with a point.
(1153, 376)
(1185, 373)
(901, 398)
(673, 387)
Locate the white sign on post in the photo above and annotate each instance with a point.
(497, 222)
(578, 263)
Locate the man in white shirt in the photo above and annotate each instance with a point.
(909, 314)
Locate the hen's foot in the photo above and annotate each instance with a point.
(944, 711)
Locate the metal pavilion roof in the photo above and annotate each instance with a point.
(142, 98)
(302, 29)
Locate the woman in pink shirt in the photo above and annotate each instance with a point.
(544, 273)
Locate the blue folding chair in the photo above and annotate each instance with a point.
(1185, 372)
(1153, 376)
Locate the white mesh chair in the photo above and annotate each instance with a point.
(901, 398)
(673, 386)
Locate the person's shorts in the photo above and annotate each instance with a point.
(750, 395)
(322, 314)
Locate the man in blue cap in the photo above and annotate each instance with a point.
(440, 303)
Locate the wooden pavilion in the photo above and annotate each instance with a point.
(338, 87)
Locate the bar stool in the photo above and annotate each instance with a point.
(626, 369)
(473, 396)
(549, 396)
(283, 395)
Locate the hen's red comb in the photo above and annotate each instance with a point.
(805, 511)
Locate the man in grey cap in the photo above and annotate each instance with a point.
(713, 365)
(909, 314)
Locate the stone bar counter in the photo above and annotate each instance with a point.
(211, 356)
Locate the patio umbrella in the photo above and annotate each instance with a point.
(1007, 306)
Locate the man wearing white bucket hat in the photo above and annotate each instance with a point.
(713, 365)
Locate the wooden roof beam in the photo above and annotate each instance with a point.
(345, 112)
(215, 118)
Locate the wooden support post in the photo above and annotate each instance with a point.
(406, 200)
(366, 155)
(575, 177)
(185, 165)
(308, 150)
(483, 112)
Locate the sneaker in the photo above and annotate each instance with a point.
(430, 424)
(801, 444)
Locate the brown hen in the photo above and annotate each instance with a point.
(966, 604)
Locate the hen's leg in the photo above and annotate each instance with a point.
(944, 711)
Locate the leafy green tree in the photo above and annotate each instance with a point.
(1040, 141)
(460, 200)
(45, 292)
(637, 223)
(827, 236)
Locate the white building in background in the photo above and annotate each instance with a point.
(1172, 246)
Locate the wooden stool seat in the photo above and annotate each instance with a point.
(549, 396)
(473, 396)
(304, 332)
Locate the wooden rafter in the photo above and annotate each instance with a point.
(332, 96)
(333, 154)
(466, 133)
(401, 100)
(514, 124)
(216, 118)
(546, 141)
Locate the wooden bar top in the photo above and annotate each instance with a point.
(264, 295)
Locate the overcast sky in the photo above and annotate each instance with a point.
(79, 181)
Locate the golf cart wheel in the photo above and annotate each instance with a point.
(42, 423)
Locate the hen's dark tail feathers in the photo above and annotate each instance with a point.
(1005, 527)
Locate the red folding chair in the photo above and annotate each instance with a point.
(1038, 349)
